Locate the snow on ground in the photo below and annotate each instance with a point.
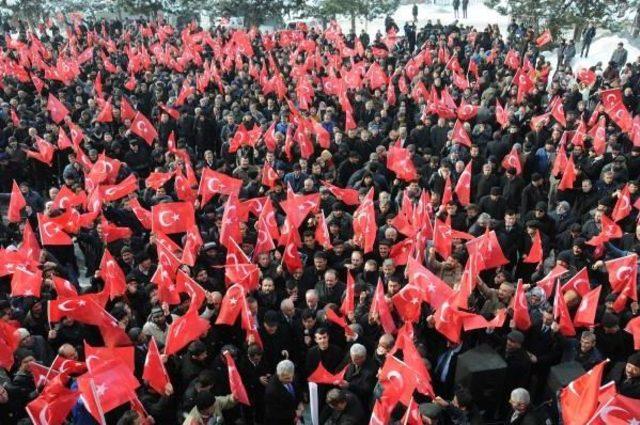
(601, 50)
(479, 16)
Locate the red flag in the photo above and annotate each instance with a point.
(213, 182)
(53, 405)
(126, 110)
(502, 117)
(557, 111)
(106, 386)
(155, 374)
(57, 110)
(407, 302)
(51, 233)
(157, 180)
(25, 283)
(183, 330)
(610, 98)
(364, 224)
(95, 355)
(63, 140)
(380, 308)
(633, 327)
(398, 380)
(322, 232)
(579, 283)
(599, 135)
(348, 303)
(142, 127)
(579, 399)
(512, 160)
(82, 308)
(561, 313)
(521, 315)
(467, 112)
(460, 135)
(488, 250)
(117, 191)
(322, 376)
(269, 176)
(16, 204)
(544, 38)
(64, 288)
(618, 409)
(231, 305)
(434, 290)
(9, 343)
(623, 279)
(172, 217)
(112, 275)
(44, 152)
(587, 76)
(235, 381)
(346, 195)
(42, 375)
(399, 161)
(623, 204)
(568, 176)
(586, 314)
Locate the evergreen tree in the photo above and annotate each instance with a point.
(365, 9)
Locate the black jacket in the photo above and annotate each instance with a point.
(279, 404)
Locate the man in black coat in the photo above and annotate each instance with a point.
(255, 378)
(281, 398)
(343, 408)
(360, 377)
(518, 363)
(629, 385)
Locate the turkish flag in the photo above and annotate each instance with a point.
(442, 238)
(618, 409)
(463, 185)
(57, 110)
(142, 127)
(488, 250)
(16, 204)
(63, 140)
(622, 272)
(460, 135)
(633, 327)
(587, 76)
(82, 308)
(53, 405)
(560, 162)
(364, 224)
(586, 314)
(561, 313)
(106, 112)
(25, 283)
(143, 215)
(291, 256)
(621, 116)
(502, 117)
(64, 288)
(44, 153)
(157, 180)
(521, 316)
(467, 112)
(477, 321)
(380, 309)
(51, 233)
(623, 204)
(599, 135)
(235, 381)
(172, 217)
(448, 320)
(346, 195)
(399, 161)
(322, 376)
(512, 160)
(95, 355)
(111, 232)
(213, 182)
(610, 98)
(117, 191)
(348, 302)
(579, 399)
(408, 302)
(269, 176)
(231, 305)
(183, 330)
(544, 38)
(126, 110)
(112, 275)
(579, 283)
(401, 251)
(192, 246)
(322, 232)
(106, 386)
(173, 113)
(42, 375)
(568, 175)
(9, 343)
(66, 198)
(512, 59)
(434, 290)
(557, 110)
(413, 359)
(155, 374)
(398, 380)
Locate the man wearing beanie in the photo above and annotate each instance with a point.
(629, 386)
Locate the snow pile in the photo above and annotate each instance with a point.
(479, 16)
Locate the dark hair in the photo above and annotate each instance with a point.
(465, 399)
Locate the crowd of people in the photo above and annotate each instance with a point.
(198, 223)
